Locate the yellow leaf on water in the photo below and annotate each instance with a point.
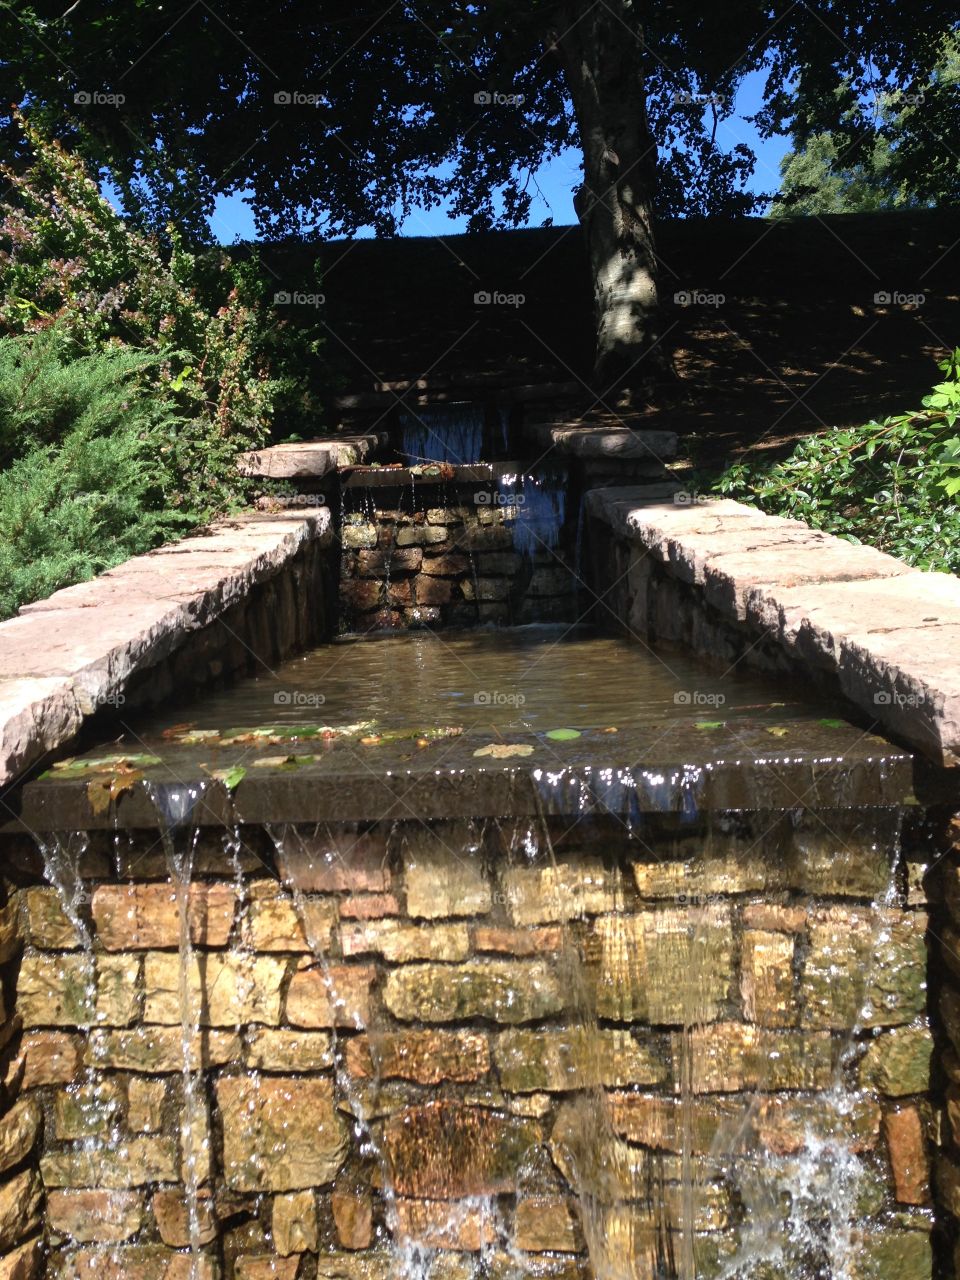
(778, 732)
(504, 750)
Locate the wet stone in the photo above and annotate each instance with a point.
(767, 978)
(172, 1212)
(517, 942)
(547, 1224)
(897, 1062)
(729, 1057)
(159, 1049)
(443, 875)
(45, 923)
(437, 1224)
(426, 1057)
(132, 1262)
(275, 924)
(282, 1050)
(578, 1058)
(135, 1162)
(567, 891)
(145, 1102)
(864, 966)
(401, 943)
(69, 990)
(907, 1144)
(280, 1134)
(503, 991)
(340, 861)
(24, 1262)
(90, 1216)
(293, 1223)
(19, 1130)
(50, 1057)
(133, 917)
(353, 1217)
(338, 995)
(20, 1203)
(87, 1110)
(444, 1150)
(226, 989)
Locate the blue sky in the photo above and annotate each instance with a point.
(556, 180)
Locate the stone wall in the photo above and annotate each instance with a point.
(531, 1042)
(449, 564)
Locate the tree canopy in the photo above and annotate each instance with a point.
(339, 116)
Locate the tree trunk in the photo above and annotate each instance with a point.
(602, 60)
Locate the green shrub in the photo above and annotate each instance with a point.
(892, 484)
(90, 476)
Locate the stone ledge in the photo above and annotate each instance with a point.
(65, 657)
(311, 459)
(619, 442)
(888, 633)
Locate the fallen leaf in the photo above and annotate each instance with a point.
(777, 731)
(563, 735)
(709, 724)
(504, 750)
(102, 791)
(833, 724)
(231, 778)
(611, 728)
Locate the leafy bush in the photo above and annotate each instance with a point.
(892, 484)
(131, 376)
(90, 472)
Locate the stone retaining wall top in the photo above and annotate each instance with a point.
(67, 656)
(891, 634)
(310, 458)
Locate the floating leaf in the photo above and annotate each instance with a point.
(611, 728)
(709, 724)
(563, 735)
(191, 736)
(504, 750)
(231, 778)
(778, 731)
(102, 791)
(106, 763)
(833, 724)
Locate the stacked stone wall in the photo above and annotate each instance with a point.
(533, 1046)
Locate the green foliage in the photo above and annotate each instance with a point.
(892, 484)
(90, 465)
(130, 378)
(894, 165)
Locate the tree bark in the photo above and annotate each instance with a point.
(601, 54)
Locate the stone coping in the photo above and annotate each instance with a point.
(890, 634)
(616, 442)
(310, 458)
(64, 658)
(679, 769)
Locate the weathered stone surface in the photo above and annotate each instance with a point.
(446, 566)
(227, 988)
(427, 1057)
(444, 1150)
(24, 1262)
(70, 991)
(275, 924)
(338, 995)
(107, 1217)
(19, 1130)
(375, 564)
(145, 1102)
(278, 1134)
(132, 1262)
(293, 1223)
(172, 1212)
(20, 1202)
(501, 990)
(369, 906)
(547, 1224)
(767, 978)
(67, 656)
(294, 459)
(45, 923)
(281, 1050)
(442, 873)
(667, 966)
(555, 1061)
(898, 1062)
(10, 935)
(423, 535)
(50, 1057)
(517, 942)
(143, 917)
(353, 1217)
(401, 943)
(159, 1049)
(265, 1266)
(341, 861)
(554, 893)
(438, 1224)
(88, 1110)
(729, 1057)
(881, 1254)
(134, 1162)
(907, 1145)
(769, 916)
(357, 536)
(864, 966)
